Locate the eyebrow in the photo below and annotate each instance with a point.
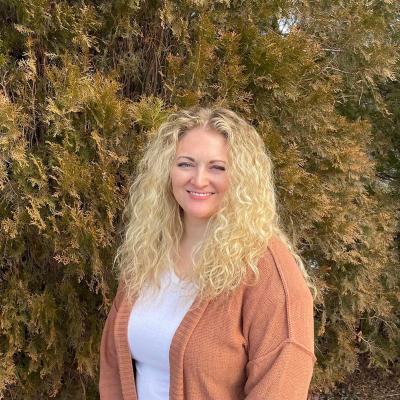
(192, 159)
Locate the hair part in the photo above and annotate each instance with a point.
(236, 236)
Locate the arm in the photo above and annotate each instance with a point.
(109, 383)
(279, 328)
(284, 373)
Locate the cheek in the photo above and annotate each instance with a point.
(223, 184)
(177, 180)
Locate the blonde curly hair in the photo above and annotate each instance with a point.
(236, 236)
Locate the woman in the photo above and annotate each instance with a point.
(211, 302)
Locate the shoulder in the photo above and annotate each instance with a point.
(120, 294)
(280, 259)
(281, 286)
(280, 273)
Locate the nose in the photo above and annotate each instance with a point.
(200, 177)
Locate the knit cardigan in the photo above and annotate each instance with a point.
(258, 343)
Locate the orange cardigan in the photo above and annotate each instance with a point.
(256, 344)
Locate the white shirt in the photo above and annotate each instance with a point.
(151, 327)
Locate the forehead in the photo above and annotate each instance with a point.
(203, 143)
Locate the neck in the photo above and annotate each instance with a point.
(193, 229)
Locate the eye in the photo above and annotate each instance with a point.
(184, 164)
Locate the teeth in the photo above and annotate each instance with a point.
(200, 194)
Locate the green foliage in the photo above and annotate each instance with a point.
(82, 85)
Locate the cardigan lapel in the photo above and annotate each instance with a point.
(178, 346)
(124, 354)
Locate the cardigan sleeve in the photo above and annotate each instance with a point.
(279, 329)
(283, 374)
(110, 383)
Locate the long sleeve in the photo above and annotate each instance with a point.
(110, 383)
(280, 330)
(284, 374)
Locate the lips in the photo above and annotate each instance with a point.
(199, 195)
(194, 191)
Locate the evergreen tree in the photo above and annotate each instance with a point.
(83, 84)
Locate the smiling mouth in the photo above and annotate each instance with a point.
(200, 193)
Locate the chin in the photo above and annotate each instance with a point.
(199, 215)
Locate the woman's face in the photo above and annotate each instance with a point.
(199, 172)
